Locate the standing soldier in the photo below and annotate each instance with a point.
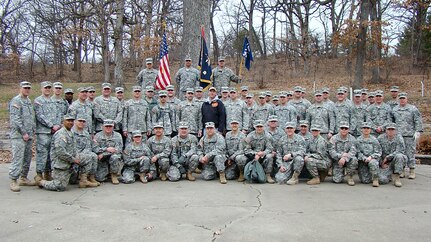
(235, 151)
(304, 133)
(318, 113)
(392, 154)
(190, 111)
(163, 113)
(60, 103)
(148, 75)
(64, 155)
(68, 95)
(262, 109)
(225, 95)
(136, 116)
(409, 123)
(223, 76)
(244, 92)
(290, 156)
(371, 99)
(150, 99)
(268, 97)
(300, 104)
(369, 156)
(186, 77)
(343, 110)
(107, 107)
(161, 148)
(364, 96)
(342, 149)
(251, 108)
(174, 102)
(258, 146)
(91, 93)
(285, 112)
(236, 110)
(394, 97)
(108, 147)
(136, 159)
(359, 113)
(45, 110)
(119, 94)
(275, 101)
(199, 95)
(83, 108)
(212, 154)
(326, 95)
(22, 129)
(184, 155)
(379, 114)
(317, 158)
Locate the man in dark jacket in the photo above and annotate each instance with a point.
(214, 111)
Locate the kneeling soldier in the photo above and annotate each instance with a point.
(369, 155)
(317, 159)
(235, 152)
(160, 146)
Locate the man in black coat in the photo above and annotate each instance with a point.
(213, 110)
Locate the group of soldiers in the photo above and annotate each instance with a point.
(159, 135)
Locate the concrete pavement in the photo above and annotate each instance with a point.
(209, 211)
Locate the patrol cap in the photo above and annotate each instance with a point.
(234, 121)
(268, 93)
(244, 88)
(158, 125)
(366, 125)
(315, 127)
(258, 123)
(318, 93)
(209, 125)
(183, 125)
(149, 61)
(297, 89)
(303, 123)
(46, 84)
(379, 93)
(289, 93)
(290, 125)
(344, 88)
(136, 133)
(81, 118)
(325, 90)
(344, 124)
(82, 89)
(391, 126)
(395, 88)
(108, 122)
(364, 91)
(136, 88)
(303, 89)
(189, 90)
(233, 89)
(25, 84)
(188, 58)
(275, 98)
(119, 89)
(58, 84)
(249, 95)
(282, 94)
(170, 88)
(163, 93)
(372, 94)
(91, 89)
(357, 92)
(221, 58)
(198, 89)
(149, 88)
(68, 90)
(106, 85)
(212, 88)
(272, 118)
(340, 91)
(69, 117)
(262, 94)
(402, 95)
(224, 89)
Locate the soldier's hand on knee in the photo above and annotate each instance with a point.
(368, 159)
(282, 169)
(111, 150)
(306, 159)
(341, 162)
(154, 159)
(100, 156)
(25, 137)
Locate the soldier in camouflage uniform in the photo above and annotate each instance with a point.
(364, 97)
(190, 111)
(223, 76)
(251, 108)
(225, 95)
(68, 95)
(290, 156)
(258, 146)
(300, 104)
(107, 107)
(343, 110)
(342, 149)
(262, 110)
(91, 93)
(409, 123)
(199, 95)
(174, 102)
(235, 152)
(236, 110)
(244, 92)
(394, 97)
(275, 101)
(64, 155)
(317, 159)
(148, 75)
(136, 157)
(161, 148)
(379, 114)
(305, 133)
(186, 77)
(371, 99)
(150, 99)
(108, 147)
(284, 111)
(393, 158)
(369, 155)
(22, 128)
(83, 108)
(136, 116)
(275, 131)
(318, 113)
(60, 103)
(212, 154)
(359, 113)
(268, 97)
(184, 155)
(163, 113)
(45, 111)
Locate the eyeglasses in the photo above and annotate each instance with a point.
(106, 88)
(163, 97)
(92, 91)
(344, 128)
(120, 92)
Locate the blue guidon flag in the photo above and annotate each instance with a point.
(204, 64)
(247, 54)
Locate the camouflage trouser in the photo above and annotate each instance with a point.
(294, 165)
(163, 164)
(60, 180)
(108, 164)
(190, 164)
(241, 161)
(43, 148)
(143, 166)
(315, 165)
(367, 172)
(21, 158)
(267, 163)
(410, 151)
(395, 166)
(88, 165)
(237, 163)
(338, 171)
(214, 165)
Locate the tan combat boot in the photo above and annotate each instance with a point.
(403, 173)
(241, 176)
(269, 179)
(14, 187)
(294, 180)
(314, 181)
(38, 178)
(397, 180)
(47, 176)
(376, 182)
(83, 182)
(323, 174)
(24, 181)
(114, 179)
(198, 171)
(163, 176)
(412, 174)
(350, 180)
(222, 177)
(142, 178)
(92, 179)
(190, 176)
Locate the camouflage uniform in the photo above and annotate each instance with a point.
(222, 77)
(307, 139)
(359, 116)
(393, 150)
(262, 112)
(260, 142)
(343, 113)
(147, 77)
(190, 112)
(301, 107)
(84, 149)
(392, 103)
(294, 146)
(62, 107)
(337, 147)
(319, 114)
(136, 116)
(250, 111)
(184, 156)
(285, 113)
(151, 103)
(318, 157)
(378, 116)
(235, 153)
(164, 114)
(365, 148)
(162, 149)
(215, 149)
(186, 78)
(237, 110)
(107, 108)
(110, 162)
(136, 159)
(174, 102)
(22, 121)
(85, 110)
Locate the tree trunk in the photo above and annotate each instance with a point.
(216, 48)
(118, 44)
(361, 44)
(105, 51)
(376, 38)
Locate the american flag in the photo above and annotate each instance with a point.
(163, 77)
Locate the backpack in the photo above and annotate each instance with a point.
(254, 173)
